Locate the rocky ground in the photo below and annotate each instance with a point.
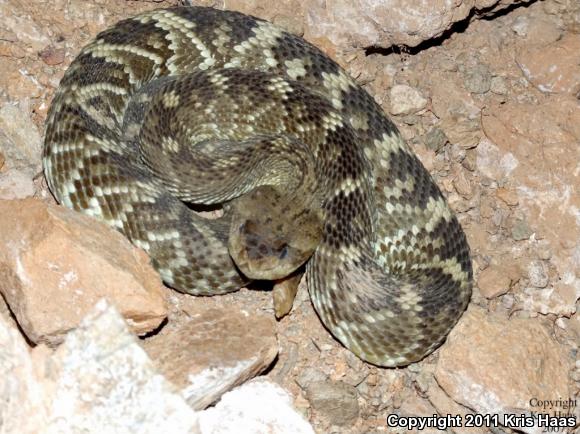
(486, 92)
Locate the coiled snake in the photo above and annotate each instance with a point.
(195, 105)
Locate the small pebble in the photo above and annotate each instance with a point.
(478, 79)
(521, 231)
(337, 401)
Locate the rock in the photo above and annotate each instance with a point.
(52, 56)
(494, 163)
(101, 377)
(509, 196)
(537, 274)
(478, 79)
(559, 299)
(499, 86)
(16, 184)
(435, 139)
(406, 100)
(55, 264)
(445, 405)
(494, 365)
(457, 110)
(310, 375)
(463, 185)
(22, 409)
(216, 350)
(372, 23)
(521, 230)
(553, 68)
(493, 282)
(20, 148)
(415, 406)
(537, 30)
(258, 406)
(335, 400)
(20, 141)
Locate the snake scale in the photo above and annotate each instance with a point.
(194, 105)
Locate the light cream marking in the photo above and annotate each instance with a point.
(170, 144)
(348, 254)
(400, 186)
(331, 120)
(101, 118)
(170, 99)
(114, 53)
(95, 89)
(295, 68)
(181, 27)
(95, 208)
(281, 86)
(438, 210)
(267, 33)
(269, 58)
(336, 84)
(348, 186)
(390, 143)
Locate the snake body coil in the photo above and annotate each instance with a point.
(205, 106)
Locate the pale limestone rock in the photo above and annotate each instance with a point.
(493, 162)
(258, 406)
(55, 264)
(16, 184)
(494, 365)
(213, 352)
(559, 299)
(406, 100)
(22, 407)
(100, 377)
(553, 68)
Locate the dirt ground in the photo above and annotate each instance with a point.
(491, 117)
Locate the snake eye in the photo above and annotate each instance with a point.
(283, 252)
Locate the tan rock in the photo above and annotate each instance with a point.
(20, 140)
(553, 68)
(415, 406)
(463, 185)
(55, 264)
(215, 351)
(509, 196)
(379, 23)
(445, 405)
(406, 100)
(493, 281)
(494, 365)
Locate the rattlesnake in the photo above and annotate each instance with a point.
(206, 107)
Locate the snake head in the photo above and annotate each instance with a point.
(270, 235)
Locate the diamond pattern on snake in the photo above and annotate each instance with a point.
(194, 105)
